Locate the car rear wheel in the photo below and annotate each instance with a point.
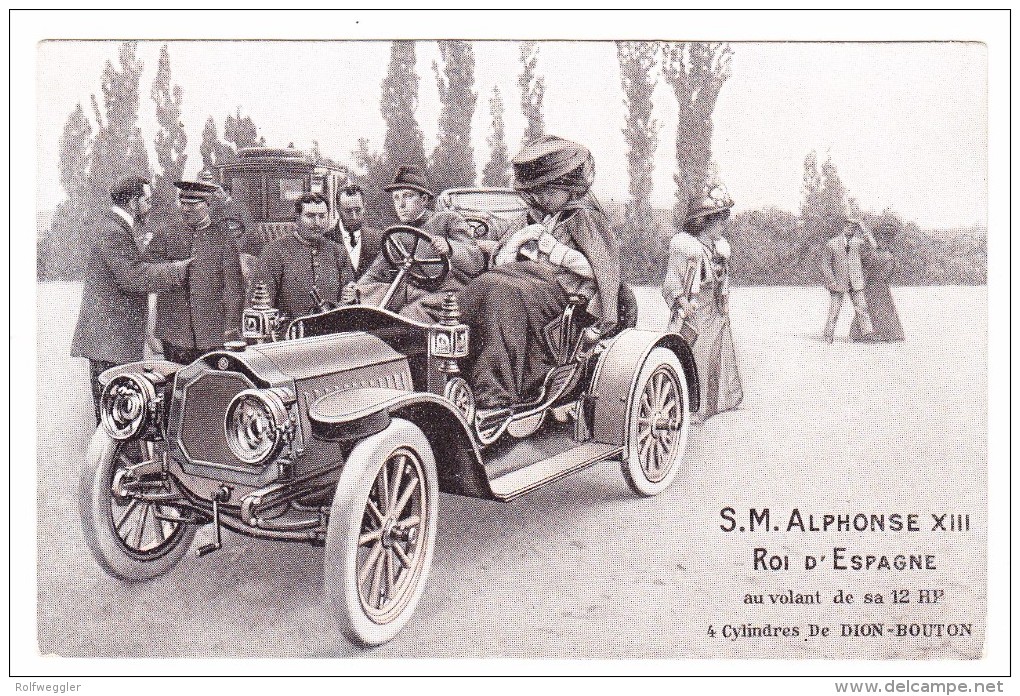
(382, 533)
(657, 424)
(131, 539)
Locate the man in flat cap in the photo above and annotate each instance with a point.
(192, 321)
(118, 280)
(302, 271)
(448, 231)
(567, 249)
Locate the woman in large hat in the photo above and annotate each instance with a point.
(696, 289)
(878, 265)
(567, 248)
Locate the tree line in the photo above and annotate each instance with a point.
(769, 246)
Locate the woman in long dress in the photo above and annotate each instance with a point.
(696, 289)
(878, 265)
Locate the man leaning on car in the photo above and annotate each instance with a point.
(115, 295)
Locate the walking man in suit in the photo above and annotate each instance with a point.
(350, 232)
(115, 296)
(841, 268)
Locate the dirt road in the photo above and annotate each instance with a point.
(582, 568)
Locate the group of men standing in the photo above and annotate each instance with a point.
(202, 269)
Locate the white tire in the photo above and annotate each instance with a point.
(382, 533)
(126, 537)
(658, 420)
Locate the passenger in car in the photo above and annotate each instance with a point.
(568, 248)
(304, 272)
(449, 233)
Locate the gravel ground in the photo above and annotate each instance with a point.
(582, 568)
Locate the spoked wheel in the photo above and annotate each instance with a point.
(657, 424)
(382, 532)
(132, 539)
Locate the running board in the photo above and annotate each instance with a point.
(528, 478)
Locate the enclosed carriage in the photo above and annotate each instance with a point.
(268, 180)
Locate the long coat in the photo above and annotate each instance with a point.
(208, 311)
(841, 264)
(466, 262)
(115, 296)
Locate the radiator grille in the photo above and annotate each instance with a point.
(205, 404)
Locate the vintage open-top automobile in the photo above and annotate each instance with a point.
(341, 429)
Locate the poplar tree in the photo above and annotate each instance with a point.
(214, 150)
(532, 91)
(171, 140)
(453, 162)
(60, 247)
(403, 143)
(119, 149)
(241, 131)
(696, 72)
(497, 170)
(637, 59)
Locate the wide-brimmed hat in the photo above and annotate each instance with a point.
(714, 200)
(409, 176)
(193, 191)
(551, 160)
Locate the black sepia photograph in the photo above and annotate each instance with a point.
(373, 345)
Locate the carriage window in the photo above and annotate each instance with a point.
(281, 205)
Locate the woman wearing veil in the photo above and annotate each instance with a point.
(696, 289)
(567, 248)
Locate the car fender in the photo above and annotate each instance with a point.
(615, 374)
(164, 368)
(354, 414)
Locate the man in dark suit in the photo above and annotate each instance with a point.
(350, 232)
(115, 296)
(841, 268)
(193, 320)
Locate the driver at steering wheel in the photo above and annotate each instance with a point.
(447, 231)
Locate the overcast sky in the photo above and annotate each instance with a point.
(904, 122)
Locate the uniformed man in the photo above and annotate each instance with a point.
(449, 233)
(194, 320)
(360, 241)
(114, 300)
(304, 272)
(236, 216)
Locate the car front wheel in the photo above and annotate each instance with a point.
(382, 533)
(131, 539)
(657, 424)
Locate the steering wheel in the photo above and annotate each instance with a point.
(479, 226)
(412, 253)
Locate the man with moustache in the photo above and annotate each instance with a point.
(115, 296)
(360, 241)
(304, 270)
